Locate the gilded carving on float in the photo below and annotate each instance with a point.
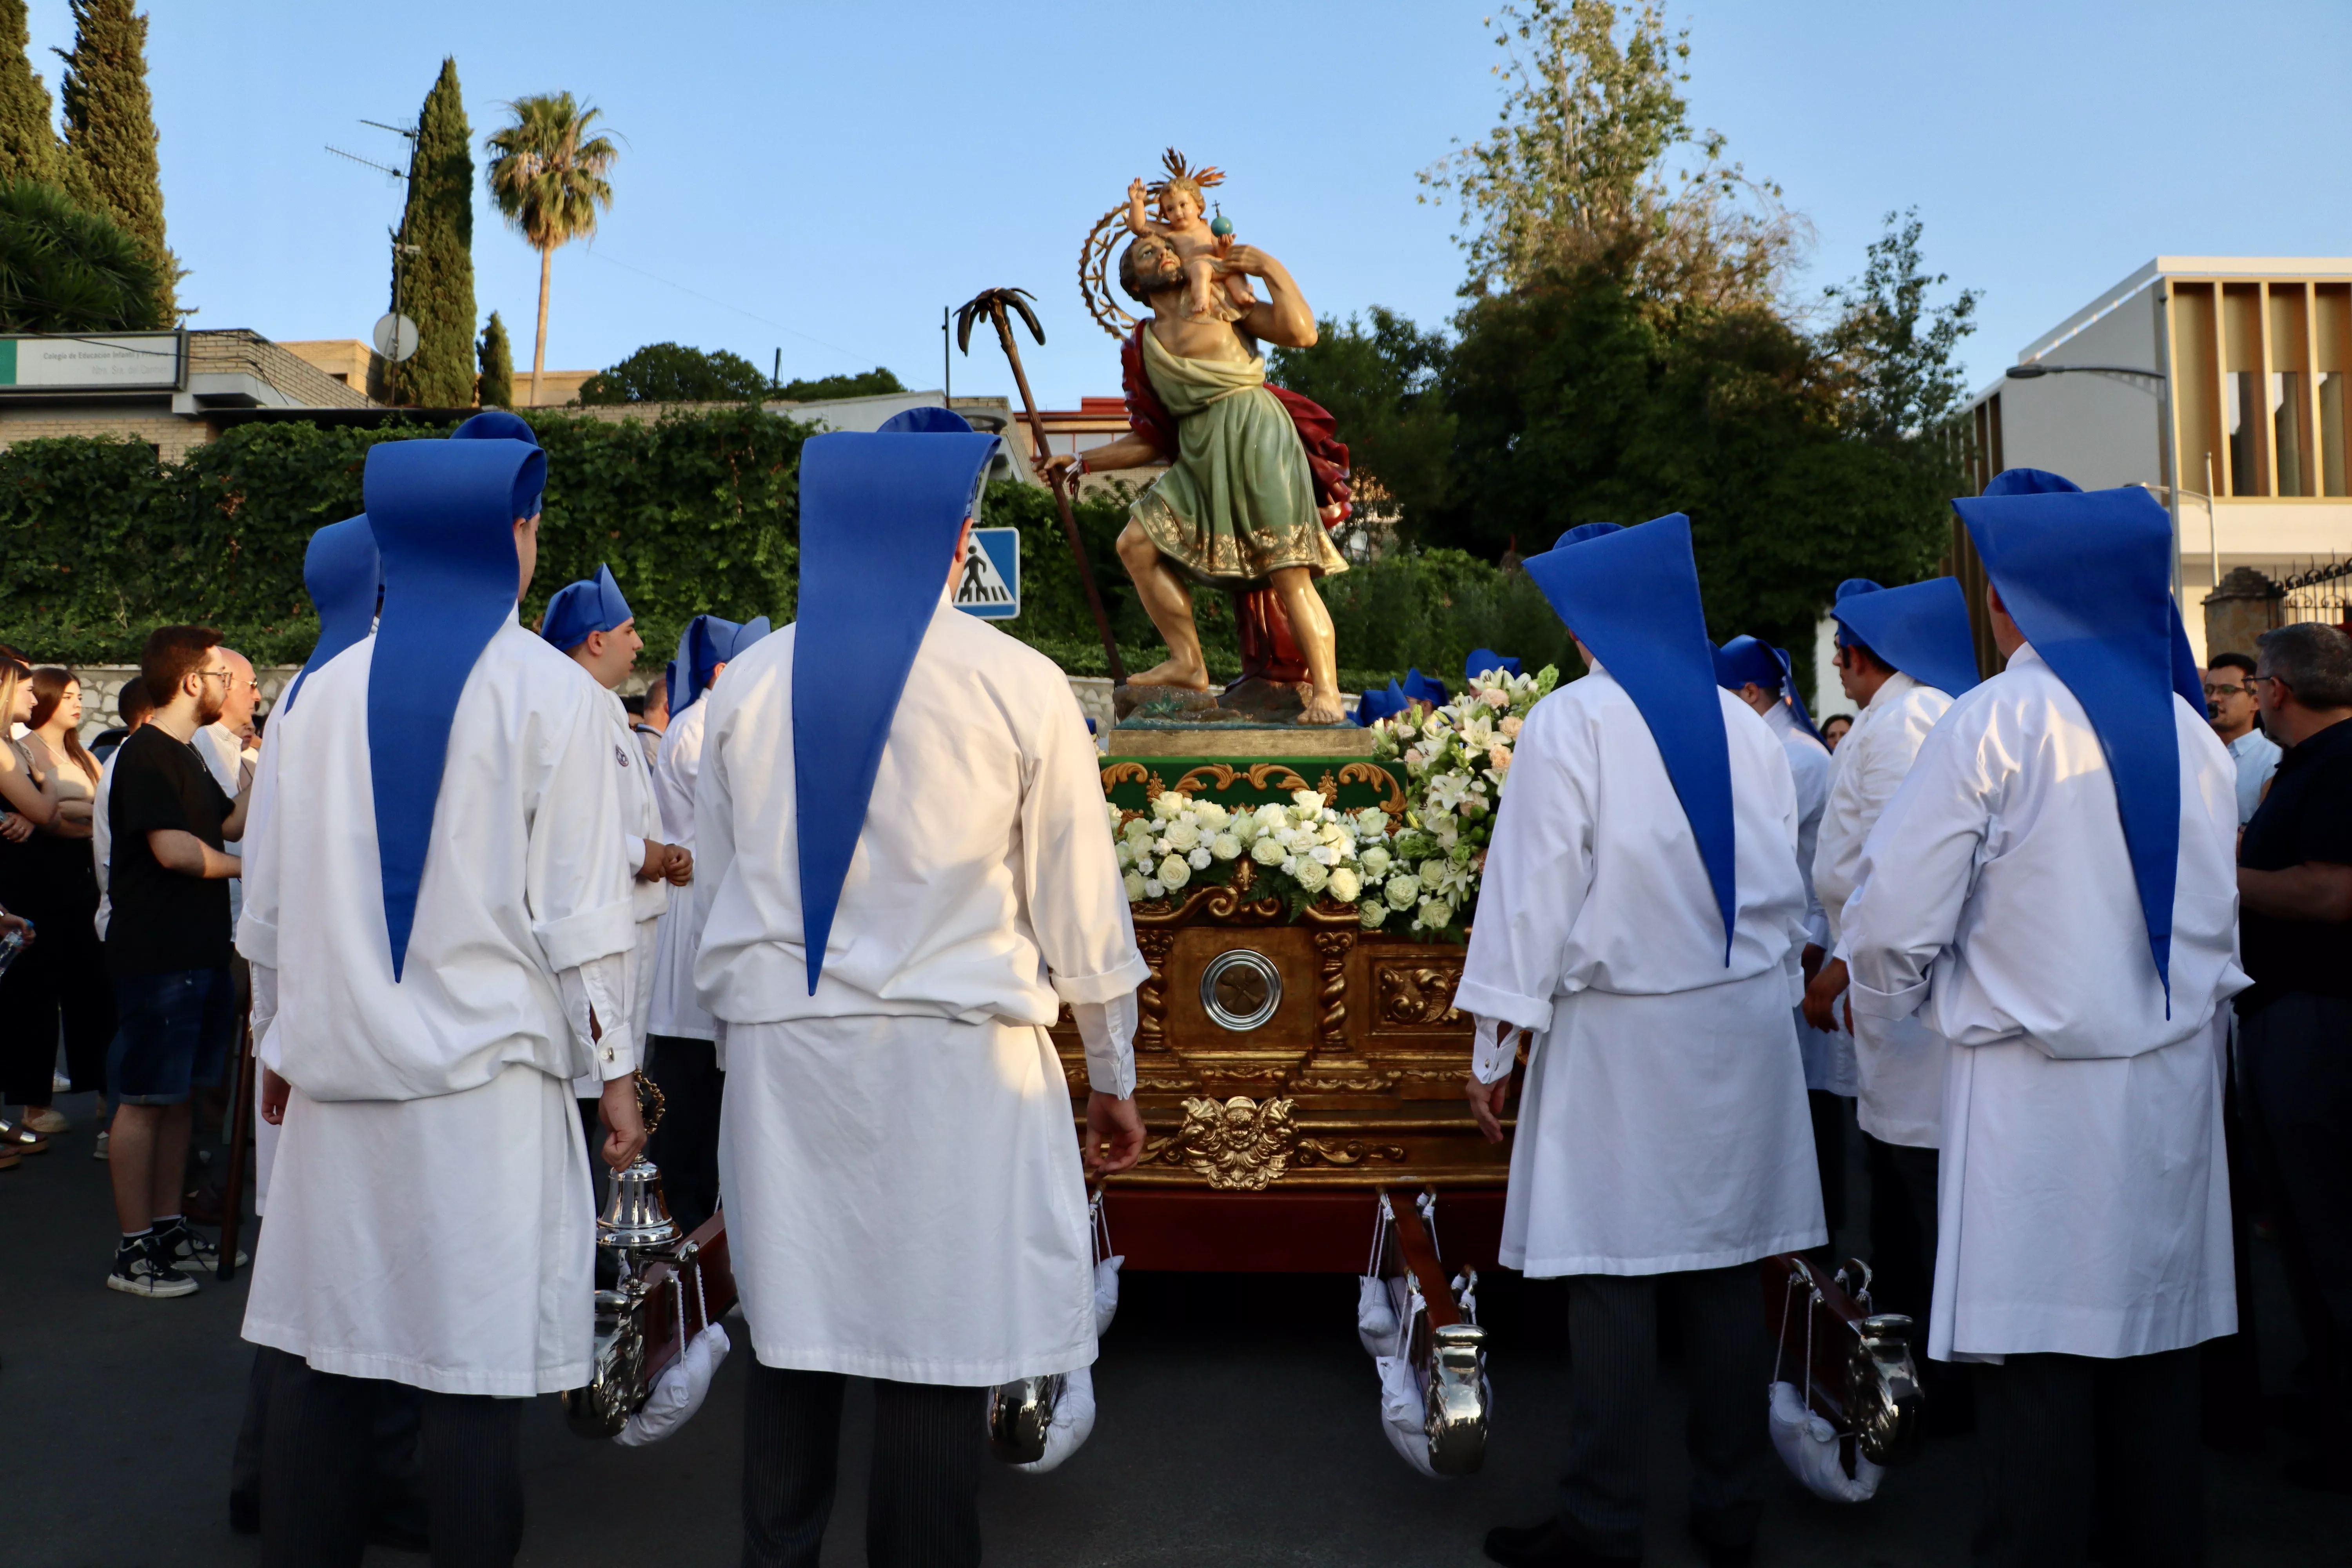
(1419, 997)
(1238, 1145)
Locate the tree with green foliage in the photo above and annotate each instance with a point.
(1380, 384)
(29, 149)
(64, 269)
(1896, 349)
(548, 178)
(872, 383)
(497, 365)
(672, 372)
(110, 145)
(433, 273)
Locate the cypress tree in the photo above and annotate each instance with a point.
(434, 281)
(497, 366)
(110, 129)
(28, 142)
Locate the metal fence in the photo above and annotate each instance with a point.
(2321, 592)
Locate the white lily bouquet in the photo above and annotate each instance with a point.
(1419, 874)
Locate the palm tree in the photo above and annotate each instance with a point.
(547, 176)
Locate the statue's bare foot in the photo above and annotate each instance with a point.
(1322, 708)
(1189, 673)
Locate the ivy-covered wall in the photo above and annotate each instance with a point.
(100, 542)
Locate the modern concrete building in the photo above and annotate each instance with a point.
(172, 390)
(2219, 383)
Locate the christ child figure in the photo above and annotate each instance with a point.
(1208, 292)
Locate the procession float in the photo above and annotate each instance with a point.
(1303, 883)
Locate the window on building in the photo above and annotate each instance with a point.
(2291, 431)
(2331, 433)
(2239, 412)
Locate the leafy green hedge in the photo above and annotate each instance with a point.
(99, 543)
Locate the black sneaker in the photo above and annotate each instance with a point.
(141, 1269)
(189, 1249)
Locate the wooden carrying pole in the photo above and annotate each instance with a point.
(240, 1126)
(994, 302)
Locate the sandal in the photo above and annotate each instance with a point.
(17, 1139)
(46, 1119)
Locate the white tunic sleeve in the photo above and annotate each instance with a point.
(601, 986)
(256, 925)
(1915, 872)
(1071, 888)
(1107, 1031)
(1537, 876)
(580, 909)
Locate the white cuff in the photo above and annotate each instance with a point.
(1121, 979)
(265, 998)
(1108, 1029)
(1493, 1053)
(1889, 1005)
(256, 939)
(600, 986)
(1488, 1002)
(589, 935)
(635, 849)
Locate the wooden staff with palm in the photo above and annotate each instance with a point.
(548, 179)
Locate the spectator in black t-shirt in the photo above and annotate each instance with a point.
(2295, 891)
(167, 948)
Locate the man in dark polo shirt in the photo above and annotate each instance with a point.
(167, 949)
(2295, 891)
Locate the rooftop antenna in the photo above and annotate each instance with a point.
(395, 335)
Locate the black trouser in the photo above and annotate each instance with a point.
(2298, 1054)
(1903, 1268)
(396, 1476)
(922, 1493)
(686, 1146)
(1612, 1346)
(1830, 1114)
(317, 1480)
(2086, 1456)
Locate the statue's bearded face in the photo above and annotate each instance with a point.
(1150, 265)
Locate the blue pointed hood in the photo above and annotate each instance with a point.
(344, 576)
(880, 516)
(1631, 595)
(503, 424)
(443, 513)
(708, 642)
(1743, 658)
(1484, 660)
(1920, 628)
(1419, 687)
(2087, 576)
(1374, 706)
(592, 604)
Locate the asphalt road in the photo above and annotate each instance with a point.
(1238, 1426)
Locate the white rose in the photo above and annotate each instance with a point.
(1267, 851)
(1152, 889)
(1183, 836)
(1174, 873)
(1272, 816)
(1167, 805)
(1346, 886)
(1403, 890)
(1225, 847)
(1135, 885)
(1198, 859)
(1431, 873)
(1371, 823)
(1376, 860)
(1435, 914)
(1371, 912)
(1212, 815)
(1290, 866)
(1126, 854)
(1311, 875)
(1307, 800)
(1112, 809)
(1323, 855)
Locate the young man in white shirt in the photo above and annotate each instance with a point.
(2231, 699)
(2053, 890)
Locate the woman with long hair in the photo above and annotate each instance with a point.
(61, 978)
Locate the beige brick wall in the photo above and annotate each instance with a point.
(171, 434)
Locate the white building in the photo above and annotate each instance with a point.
(2219, 383)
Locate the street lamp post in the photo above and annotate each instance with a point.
(2034, 370)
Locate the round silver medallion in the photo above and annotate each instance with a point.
(1240, 989)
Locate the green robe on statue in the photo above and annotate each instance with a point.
(1238, 502)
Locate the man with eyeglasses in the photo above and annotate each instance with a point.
(167, 949)
(2232, 704)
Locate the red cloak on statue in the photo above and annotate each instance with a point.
(1268, 651)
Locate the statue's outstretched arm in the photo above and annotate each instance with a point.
(1285, 320)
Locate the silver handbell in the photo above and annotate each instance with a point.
(1455, 1418)
(1886, 1402)
(635, 1217)
(1019, 1413)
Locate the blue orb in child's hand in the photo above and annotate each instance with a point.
(1221, 226)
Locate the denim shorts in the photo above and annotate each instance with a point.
(173, 1033)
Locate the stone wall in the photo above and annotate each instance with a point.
(2240, 610)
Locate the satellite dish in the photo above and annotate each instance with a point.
(396, 337)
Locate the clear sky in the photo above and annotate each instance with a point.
(824, 179)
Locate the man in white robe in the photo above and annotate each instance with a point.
(1903, 654)
(1761, 676)
(903, 876)
(684, 1059)
(1641, 918)
(591, 625)
(2053, 889)
(442, 913)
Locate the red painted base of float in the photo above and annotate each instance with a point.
(1196, 1232)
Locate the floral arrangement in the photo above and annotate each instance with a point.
(1420, 872)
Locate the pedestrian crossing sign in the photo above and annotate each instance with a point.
(989, 583)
